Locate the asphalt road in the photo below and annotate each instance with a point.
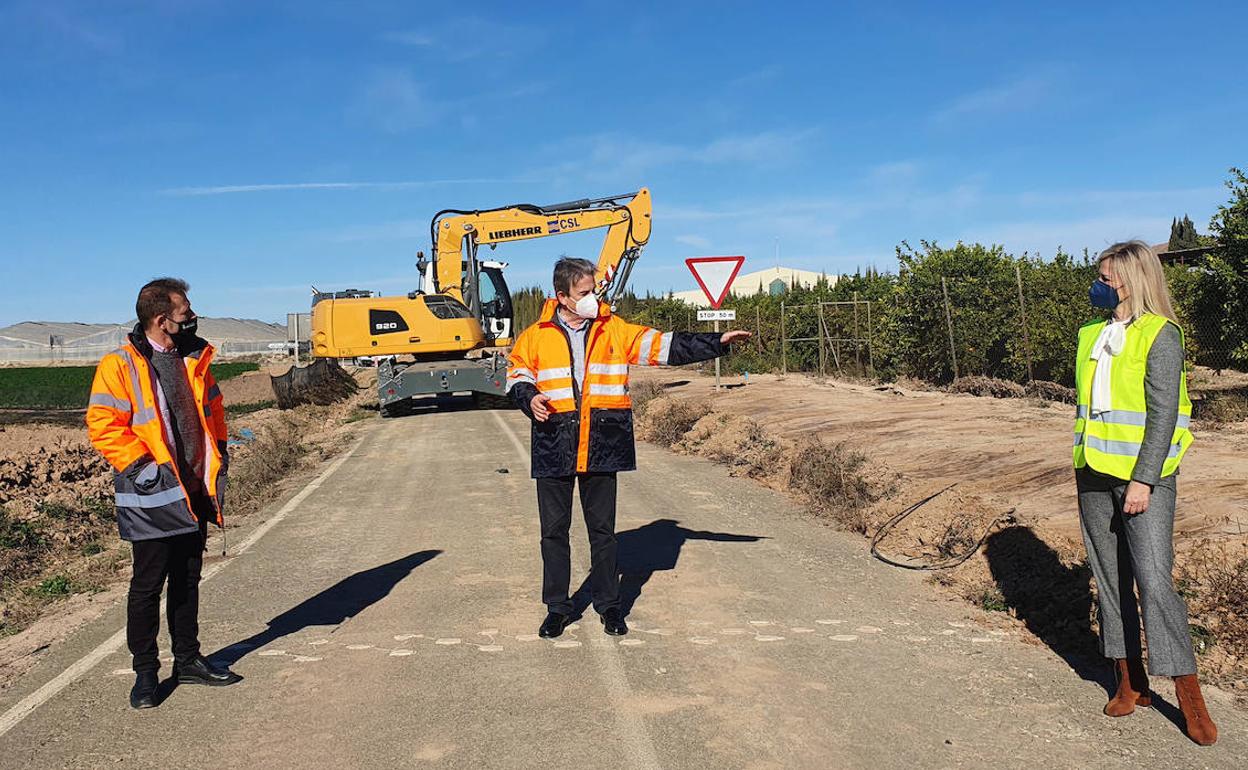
(389, 619)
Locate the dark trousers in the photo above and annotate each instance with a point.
(178, 560)
(554, 506)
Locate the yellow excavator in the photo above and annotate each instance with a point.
(450, 335)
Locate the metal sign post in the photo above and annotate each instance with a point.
(716, 316)
(715, 276)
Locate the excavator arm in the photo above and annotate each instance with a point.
(457, 234)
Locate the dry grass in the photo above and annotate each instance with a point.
(665, 421)
(1050, 391)
(834, 481)
(1221, 407)
(1214, 580)
(988, 386)
(642, 393)
(738, 442)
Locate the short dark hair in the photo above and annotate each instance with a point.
(156, 297)
(569, 270)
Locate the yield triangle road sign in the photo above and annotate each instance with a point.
(715, 275)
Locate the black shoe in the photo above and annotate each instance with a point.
(143, 694)
(613, 622)
(199, 671)
(553, 625)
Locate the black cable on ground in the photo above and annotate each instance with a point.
(952, 561)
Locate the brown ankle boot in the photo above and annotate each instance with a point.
(1200, 727)
(1132, 688)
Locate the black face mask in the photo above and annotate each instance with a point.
(186, 330)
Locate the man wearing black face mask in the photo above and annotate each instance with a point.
(157, 416)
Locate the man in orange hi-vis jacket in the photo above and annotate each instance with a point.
(569, 373)
(157, 416)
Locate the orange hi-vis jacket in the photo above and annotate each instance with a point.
(125, 424)
(590, 428)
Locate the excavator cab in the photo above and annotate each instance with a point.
(495, 299)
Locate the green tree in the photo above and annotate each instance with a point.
(1221, 301)
(1183, 235)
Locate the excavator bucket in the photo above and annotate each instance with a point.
(322, 382)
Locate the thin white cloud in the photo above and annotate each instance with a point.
(756, 77)
(619, 157)
(1021, 94)
(396, 102)
(471, 37)
(410, 38)
(696, 241)
(287, 186)
(74, 27)
(1044, 237)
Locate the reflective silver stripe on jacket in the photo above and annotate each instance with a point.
(665, 348)
(556, 373)
(109, 400)
(559, 394)
(608, 368)
(608, 390)
(518, 375)
(647, 342)
(1125, 417)
(154, 500)
(143, 414)
(1123, 448)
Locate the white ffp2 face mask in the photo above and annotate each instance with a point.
(587, 306)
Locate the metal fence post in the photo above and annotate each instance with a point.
(822, 355)
(1022, 313)
(758, 328)
(953, 354)
(857, 339)
(870, 342)
(784, 344)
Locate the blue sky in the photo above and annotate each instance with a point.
(256, 148)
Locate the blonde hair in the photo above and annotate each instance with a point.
(1137, 267)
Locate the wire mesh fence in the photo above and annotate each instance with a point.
(961, 327)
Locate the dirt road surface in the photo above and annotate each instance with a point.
(389, 620)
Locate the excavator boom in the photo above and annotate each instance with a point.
(626, 216)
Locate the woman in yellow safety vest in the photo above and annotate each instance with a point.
(1132, 429)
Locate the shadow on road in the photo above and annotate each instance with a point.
(648, 549)
(448, 403)
(1054, 600)
(331, 607)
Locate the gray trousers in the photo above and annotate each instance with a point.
(1129, 551)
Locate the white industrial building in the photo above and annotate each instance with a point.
(772, 280)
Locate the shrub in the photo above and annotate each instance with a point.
(833, 480)
(738, 442)
(667, 420)
(57, 585)
(988, 386)
(1050, 391)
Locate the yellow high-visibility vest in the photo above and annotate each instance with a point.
(1109, 442)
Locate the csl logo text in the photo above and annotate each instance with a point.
(558, 225)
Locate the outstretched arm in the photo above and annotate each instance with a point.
(650, 347)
